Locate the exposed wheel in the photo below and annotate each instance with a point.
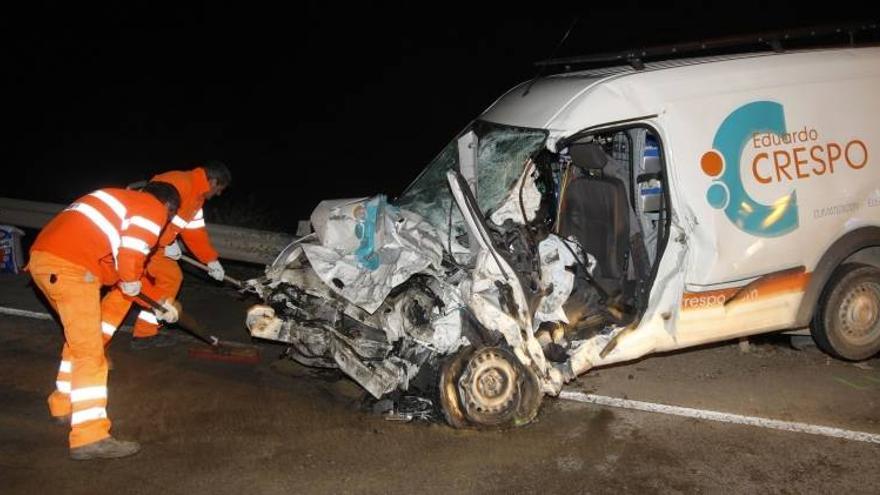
(488, 388)
(847, 321)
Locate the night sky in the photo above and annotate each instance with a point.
(313, 101)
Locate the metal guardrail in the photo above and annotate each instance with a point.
(234, 243)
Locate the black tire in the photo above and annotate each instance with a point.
(515, 397)
(846, 323)
(450, 372)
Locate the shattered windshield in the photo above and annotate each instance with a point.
(501, 156)
(429, 195)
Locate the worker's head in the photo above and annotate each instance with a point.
(166, 194)
(219, 177)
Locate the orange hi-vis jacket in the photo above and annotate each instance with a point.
(109, 232)
(189, 222)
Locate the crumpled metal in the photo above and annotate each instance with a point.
(368, 247)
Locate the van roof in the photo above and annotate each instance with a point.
(660, 64)
(569, 102)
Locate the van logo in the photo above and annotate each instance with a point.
(722, 163)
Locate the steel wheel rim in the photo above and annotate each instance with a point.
(488, 386)
(859, 313)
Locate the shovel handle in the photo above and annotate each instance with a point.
(187, 322)
(204, 267)
(150, 302)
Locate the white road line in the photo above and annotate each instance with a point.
(42, 316)
(723, 417)
(23, 312)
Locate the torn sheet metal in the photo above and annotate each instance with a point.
(557, 258)
(334, 221)
(467, 158)
(493, 301)
(513, 206)
(263, 324)
(494, 293)
(446, 337)
(368, 247)
(377, 378)
(416, 315)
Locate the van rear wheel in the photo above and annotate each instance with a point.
(847, 321)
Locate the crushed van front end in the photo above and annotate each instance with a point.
(463, 291)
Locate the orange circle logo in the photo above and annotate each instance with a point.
(711, 163)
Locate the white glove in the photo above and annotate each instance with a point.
(130, 289)
(169, 313)
(215, 271)
(172, 251)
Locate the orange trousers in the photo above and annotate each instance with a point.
(161, 280)
(81, 386)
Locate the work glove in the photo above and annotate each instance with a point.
(130, 289)
(170, 312)
(172, 251)
(215, 271)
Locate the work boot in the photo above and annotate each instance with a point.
(108, 448)
(161, 339)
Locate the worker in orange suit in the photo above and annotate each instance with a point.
(103, 238)
(162, 276)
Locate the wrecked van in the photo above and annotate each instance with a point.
(595, 217)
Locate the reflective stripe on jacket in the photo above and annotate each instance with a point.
(189, 222)
(109, 232)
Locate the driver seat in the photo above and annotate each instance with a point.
(595, 211)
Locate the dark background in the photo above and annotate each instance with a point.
(312, 101)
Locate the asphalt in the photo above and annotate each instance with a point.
(276, 427)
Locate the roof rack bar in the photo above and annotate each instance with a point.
(772, 39)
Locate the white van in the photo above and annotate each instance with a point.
(594, 217)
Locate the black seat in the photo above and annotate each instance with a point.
(594, 210)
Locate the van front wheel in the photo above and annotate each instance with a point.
(847, 320)
(488, 387)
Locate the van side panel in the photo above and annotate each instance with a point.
(771, 178)
(772, 167)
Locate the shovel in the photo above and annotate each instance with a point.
(218, 350)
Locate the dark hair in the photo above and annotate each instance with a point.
(219, 172)
(165, 193)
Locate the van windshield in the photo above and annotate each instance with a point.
(501, 156)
